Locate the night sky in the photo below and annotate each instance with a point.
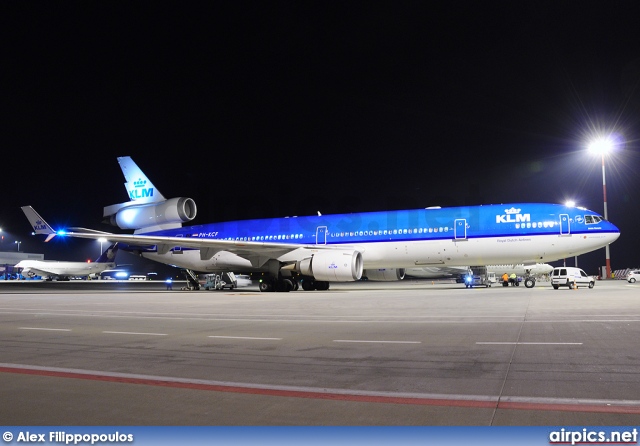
(267, 109)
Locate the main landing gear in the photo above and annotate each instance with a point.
(286, 284)
(283, 285)
(310, 284)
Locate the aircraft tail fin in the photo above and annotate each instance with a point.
(109, 255)
(37, 222)
(139, 188)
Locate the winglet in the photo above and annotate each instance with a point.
(39, 225)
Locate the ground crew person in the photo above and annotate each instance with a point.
(505, 279)
(513, 278)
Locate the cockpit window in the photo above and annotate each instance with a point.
(592, 219)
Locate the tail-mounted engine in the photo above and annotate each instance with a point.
(332, 266)
(153, 216)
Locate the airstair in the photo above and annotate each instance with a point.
(192, 279)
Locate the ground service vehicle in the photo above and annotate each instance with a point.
(220, 281)
(571, 277)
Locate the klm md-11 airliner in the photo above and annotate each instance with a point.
(317, 250)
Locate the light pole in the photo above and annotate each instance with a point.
(602, 146)
(101, 240)
(18, 243)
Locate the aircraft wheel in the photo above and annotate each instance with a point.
(265, 286)
(529, 283)
(284, 286)
(308, 285)
(322, 286)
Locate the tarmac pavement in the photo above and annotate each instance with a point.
(398, 353)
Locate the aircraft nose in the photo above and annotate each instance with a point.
(615, 232)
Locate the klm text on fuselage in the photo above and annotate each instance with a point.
(513, 218)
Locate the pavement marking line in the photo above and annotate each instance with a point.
(134, 333)
(378, 342)
(44, 329)
(529, 343)
(570, 407)
(469, 401)
(354, 319)
(246, 337)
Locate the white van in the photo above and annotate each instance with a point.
(568, 275)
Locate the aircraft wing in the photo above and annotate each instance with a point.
(257, 253)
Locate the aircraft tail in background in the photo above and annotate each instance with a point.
(109, 255)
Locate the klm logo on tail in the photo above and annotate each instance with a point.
(139, 190)
(39, 225)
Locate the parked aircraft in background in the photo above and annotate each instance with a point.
(61, 270)
(320, 249)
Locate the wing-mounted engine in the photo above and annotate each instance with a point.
(384, 274)
(149, 217)
(332, 266)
